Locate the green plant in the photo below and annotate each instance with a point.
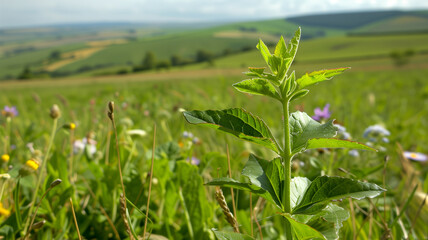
(305, 205)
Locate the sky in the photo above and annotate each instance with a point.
(23, 13)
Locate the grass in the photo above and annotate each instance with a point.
(374, 91)
(139, 104)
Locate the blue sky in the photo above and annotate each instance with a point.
(19, 13)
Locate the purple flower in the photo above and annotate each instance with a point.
(194, 161)
(9, 111)
(322, 114)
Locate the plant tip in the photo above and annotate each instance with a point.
(55, 183)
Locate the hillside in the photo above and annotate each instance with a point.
(119, 47)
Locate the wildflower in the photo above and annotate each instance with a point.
(342, 133)
(87, 144)
(322, 114)
(9, 111)
(196, 140)
(5, 157)
(137, 132)
(5, 176)
(415, 156)
(354, 153)
(70, 126)
(194, 161)
(55, 112)
(376, 133)
(187, 134)
(33, 164)
(4, 211)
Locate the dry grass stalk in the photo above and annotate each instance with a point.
(75, 219)
(123, 214)
(229, 216)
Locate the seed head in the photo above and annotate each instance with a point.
(38, 225)
(110, 113)
(55, 112)
(55, 183)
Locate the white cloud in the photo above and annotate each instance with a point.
(30, 12)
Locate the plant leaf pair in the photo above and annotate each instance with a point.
(265, 178)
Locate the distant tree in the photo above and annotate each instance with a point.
(176, 60)
(402, 58)
(204, 56)
(165, 64)
(26, 74)
(149, 61)
(55, 55)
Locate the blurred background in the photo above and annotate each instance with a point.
(155, 59)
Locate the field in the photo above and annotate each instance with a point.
(148, 113)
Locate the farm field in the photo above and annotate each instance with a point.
(143, 101)
(165, 162)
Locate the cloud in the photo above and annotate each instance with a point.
(29, 12)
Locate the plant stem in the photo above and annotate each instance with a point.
(286, 160)
(39, 179)
(151, 179)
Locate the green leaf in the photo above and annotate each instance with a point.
(294, 44)
(327, 229)
(235, 121)
(288, 86)
(230, 236)
(257, 86)
(265, 179)
(281, 48)
(329, 221)
(267, 175)
(336, 143)
(302, 231)
(255, 72)
(325, 189)
(299, 94)
(246, 186)
(303, 128)
(264, 50)
(298, 187)
(319, 76)
(190, 182)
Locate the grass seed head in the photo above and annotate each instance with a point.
(226, 211)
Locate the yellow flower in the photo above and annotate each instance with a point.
(4, 211)
(5, 158)
(32, 164)
(72, 126)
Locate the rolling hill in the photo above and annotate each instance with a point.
(109, 48)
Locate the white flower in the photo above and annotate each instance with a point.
(137, 132)
(415, 156)
(85, 144)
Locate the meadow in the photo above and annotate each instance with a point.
(165, 161)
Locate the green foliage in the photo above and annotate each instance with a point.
(230, 236)
(235, 121)
(271, 179)
(325, 189)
